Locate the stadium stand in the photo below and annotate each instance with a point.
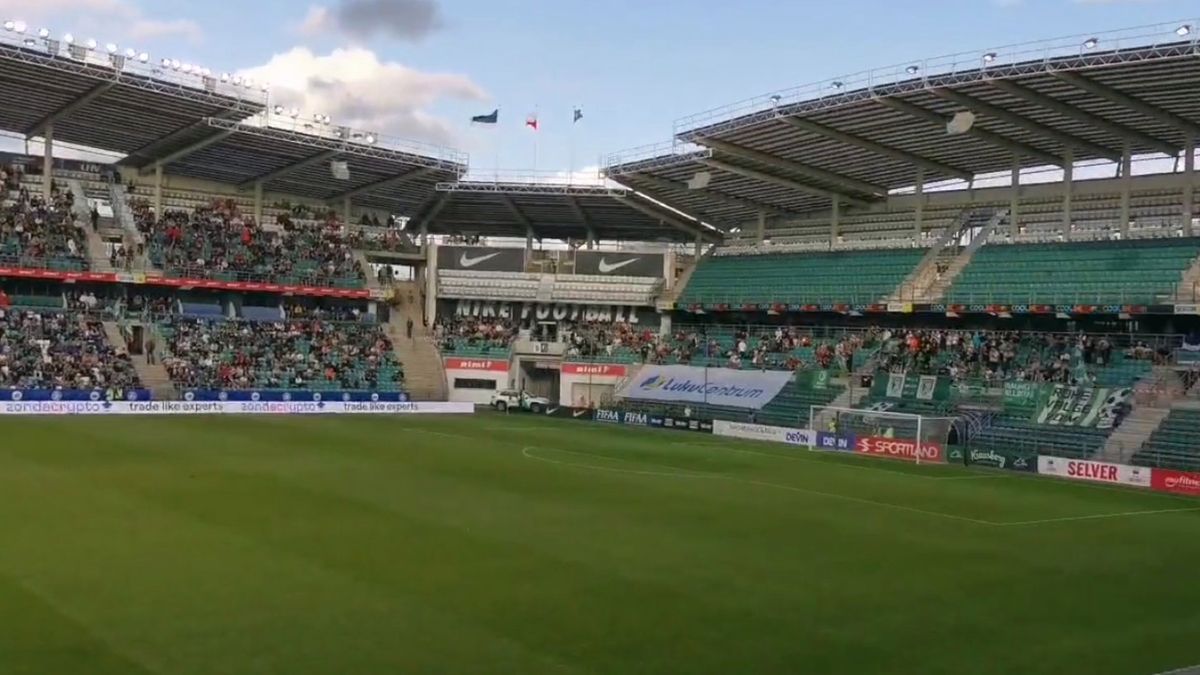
(1175, 444)
(56, 349)
(1101, 272)
(813, 278)
(314, 355)
(40, 233)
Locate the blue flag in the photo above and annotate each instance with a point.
(492, 118)
(578, 114)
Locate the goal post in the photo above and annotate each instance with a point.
(883, 433)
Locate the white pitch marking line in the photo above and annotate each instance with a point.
(1098, 516)
(790, 488)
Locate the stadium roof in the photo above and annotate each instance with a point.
(383, 173)
(860, 137)
(554, 211)
(106, 101)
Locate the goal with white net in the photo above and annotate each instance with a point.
(915, 438)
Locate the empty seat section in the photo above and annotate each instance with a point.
(1175, 444)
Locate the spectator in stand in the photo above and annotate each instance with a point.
(56, 350)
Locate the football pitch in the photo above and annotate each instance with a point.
(516, 544)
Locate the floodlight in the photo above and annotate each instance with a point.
(30, 42)
(911, 70)
(144, 57)
(19, 26)
(111, 47)
(166, 63)
(68, 38)
(130, 53)
(1090, 43)
(370, 139)
(1183, 30)
(294, 113)
(187, 67)
(316, 117)
(278, 110)
(10, 25)
(91, 43)
(44, 33)
(989, 57)
(175, 64)
(224, 77)
(237, 79)
(249, 82)
(837, 84)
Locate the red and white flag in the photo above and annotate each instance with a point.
(531, 121)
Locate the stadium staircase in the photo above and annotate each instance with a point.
(424, 375)
(669, 298)
(1189, 287)
(925, 285)
(124, 219)
(153, 375)
(373, 284)
(97, 249)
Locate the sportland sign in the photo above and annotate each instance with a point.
(1178, 482)
(897, 448)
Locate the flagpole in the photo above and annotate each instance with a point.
(571, 147)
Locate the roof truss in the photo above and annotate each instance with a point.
(1080, 115)
(996, 112)
(185, 151)
(742, 202)
(877, 148)
(1120, 98)
(939, 120)
(285, 170)
(694, 229)
(782, 182)
(386, 182)
(844, 182)
(39, 127)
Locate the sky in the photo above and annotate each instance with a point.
(419, 69)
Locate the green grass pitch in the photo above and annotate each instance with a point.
(494, 544)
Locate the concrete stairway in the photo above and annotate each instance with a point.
(1134, 431)
(670, 297)
(936, 290)
(373, 284)
(97, 250)
(424, 375)
(153, 376)
(1189, 288)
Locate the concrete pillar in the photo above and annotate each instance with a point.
(1189, 185)
(258, 202)
(835, 221)
(1126, 187)
(48, 160)
(699, 249)
(919, 211)
(423, 230)
(158, 181)
(1068, 189)
(1014, 204)
(760, 232)
(528, 247)
(591, 239)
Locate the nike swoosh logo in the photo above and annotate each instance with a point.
(471, 262)
(605, 268)
(551, 411)
(579, 413)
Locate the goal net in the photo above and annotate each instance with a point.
(915, 438)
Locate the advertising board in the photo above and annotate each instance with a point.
(897, 448)
(1095, 472)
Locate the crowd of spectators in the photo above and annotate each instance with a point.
(299, 310)
(59, 350)
(1006, 355)
(453, 333)
(293, 354)
(42, 233)
(218, 239)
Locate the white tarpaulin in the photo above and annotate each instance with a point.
(714, 386)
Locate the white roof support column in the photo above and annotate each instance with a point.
(158, 180)
(258, 202)
(835, 221)
(48, 160)
(1126, 187)
(1014, 205)
(760, 233)
(919, 210)
(1189, 185)
(1068, 190)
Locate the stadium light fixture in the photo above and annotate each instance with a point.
(989, 57)
(237, 79)
(91, 43)
(166, 63)
(294, 113)
(111, 47)
(30, 42)
(1090, 43)
(69, 39)
(278, 110)
(175, 64)
(1184, 30)
(20, 26)
(912, 70)
(370, 139)
(130, 53)
(224, 77)
(837, 84)
(144, 57)
(10, 25)
(44, 33)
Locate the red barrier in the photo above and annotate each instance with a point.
(1177, 482)
(900, 449)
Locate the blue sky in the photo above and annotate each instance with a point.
(421, 68)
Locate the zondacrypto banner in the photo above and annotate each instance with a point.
(230, 408)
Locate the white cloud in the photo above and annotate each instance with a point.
(316, 21)
(104, 19)
(408, 20)
(357, 89)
